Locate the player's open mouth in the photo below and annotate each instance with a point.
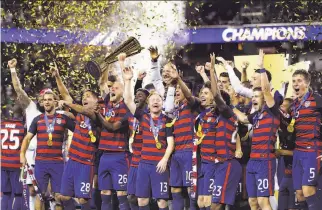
(297, 89)
(255, 104)
(155, 106)
(112, 94)
(85, 103)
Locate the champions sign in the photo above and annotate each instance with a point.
(264, 34)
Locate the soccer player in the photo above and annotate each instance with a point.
(12, 133)
(49, 128)
(135, 144)
(262, 164)
(286, 195)
(228, 169)
(181, 160)
(306, 122)
(158, 144)
(114, 162)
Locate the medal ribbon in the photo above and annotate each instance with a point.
(155, 130)
(50, 129)
(295, 110)
(290, 127)
(90, 131)
(201, 133)
(176, 115)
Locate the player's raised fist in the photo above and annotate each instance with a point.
(12, 63)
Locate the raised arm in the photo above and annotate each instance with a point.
(235, 82)
(185, 90)
(109, 126)
(242, 117)
(61, 87)
(87, 111)
(21, 94)
(266, 87)
(201, 71)
(128, 96)
(244, 71)
(221, 105)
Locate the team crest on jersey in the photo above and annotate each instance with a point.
(307, 104)
(58, 121)
(209, 119)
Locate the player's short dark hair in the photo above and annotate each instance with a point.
(223, 74)
(257, 89)
(269, 75)
(96, 96)
(304, 73)
(149, 87)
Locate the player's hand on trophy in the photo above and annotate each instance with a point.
(154, 53)
(121, 57)
(12, 63)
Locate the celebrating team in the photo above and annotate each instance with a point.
(180, 146)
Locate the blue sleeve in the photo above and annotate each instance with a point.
(70, 123)
(275, 109)
(169, 130)
(251, 117)
(318, 100)
(278, 98)
(139, 114)
(33, 127)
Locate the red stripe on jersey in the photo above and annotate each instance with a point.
(54, 152)
(81, 148)
(183, 128)
(150, 153)
(224, 130)
(137, 144)
(117, 140)
(12, 134)
(264, 136)
(307, 124)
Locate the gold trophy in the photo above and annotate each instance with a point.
(129, 47)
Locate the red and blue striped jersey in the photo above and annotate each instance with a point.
(138, 140)
(208, 120)
(116, 140)
(265, 126)
(12, 134)
(308, 122)
(81, 148)
(183, 127)
(227, 124)
(150, 153)
(38, 126)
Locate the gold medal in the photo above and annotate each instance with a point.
(290, 127)
(200, 139)
(50, 139)
(107, 118)
(168, 125)
(93, 138)
(158, 145)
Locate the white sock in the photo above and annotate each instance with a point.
(52, 205)
(32, 200)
